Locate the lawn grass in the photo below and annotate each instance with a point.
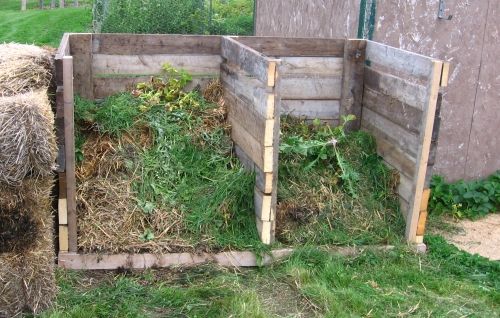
(311, 283)
(41, 27)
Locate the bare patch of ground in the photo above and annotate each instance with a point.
(478, 237)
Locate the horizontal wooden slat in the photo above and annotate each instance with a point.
(405, 188)
(279, 46)
(244, 114)
(107, 86)
(249, 60)
(324, 66)
(397, 112)
(249, 90)
(316, 88)
(152, 64)
(260, 155)
(411, 94)
(399, 60)
(311, 109)
(393, 133)
(127, 44)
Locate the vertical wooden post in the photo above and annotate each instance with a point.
(23, 5)
(69, 132)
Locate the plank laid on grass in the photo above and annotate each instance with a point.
(107, 86)
(249, 60)
(397, 112)
(152, 64)
(311, 109)
(81, 50)
(311, 88)
(260, 155)
(129, 44)
(249, 90)
(399, 60)
(352, 81)
(279, 46)
(393, 133)
(244, 114)
(324, 66)
(408, 93)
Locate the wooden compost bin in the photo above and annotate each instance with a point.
(392, 92)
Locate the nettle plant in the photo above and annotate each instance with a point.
(462, 199)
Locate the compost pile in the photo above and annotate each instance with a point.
(27, 157)
(156, 172)
(333, 187)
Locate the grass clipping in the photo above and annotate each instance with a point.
(333, 187)
(24, 68)
(156, 173)
(27, 139)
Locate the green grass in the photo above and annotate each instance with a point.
(398, 283)
(41, 27)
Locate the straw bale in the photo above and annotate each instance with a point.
(27, 139)
(24, 68)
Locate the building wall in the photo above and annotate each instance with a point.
(468, 146)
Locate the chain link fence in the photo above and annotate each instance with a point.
(233, 17)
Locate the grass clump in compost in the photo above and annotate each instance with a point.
(156, 172)
(334, 188)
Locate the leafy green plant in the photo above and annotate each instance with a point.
(462, 199)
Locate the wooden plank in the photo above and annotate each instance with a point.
(394, 156)
(311, 109)
(313, 87)
(407, 92)
(107, 86)
(263, 181)
(266, 230)
(59, 123)
(244, 114)
(405, 188)
(62, 211)
(425, 199)
(196, 65)
(69, 143)
(249, 90)
(81, 50)
(260, 155)
(423, 151)
(130, 44)
(249, 60)
(399, 60)
(264, 209)
(63, 48)
(63, 238)
(393, 133)
(422, 222)
(445, 75)
(352, 81)
(323, 66)
(281, 46)
(62, 185)
(392, 109)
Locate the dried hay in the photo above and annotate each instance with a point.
(27, 139)
(27, 281)
(112, 221)
(24, 68)
(214, 92)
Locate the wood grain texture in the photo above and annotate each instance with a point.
(392, 109)
(63, 238)
(132, 44)
(399, 60)
(81, 50)
(311, 109)
(352, 82)
(196, 65)
(69, 132)
(62, 211)
(249, 60)
(266, 230)
(407, 92)
(263, 181)
(311, 87)
(264, 209)
(283, 46)
(59, 123)
(323, 66)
